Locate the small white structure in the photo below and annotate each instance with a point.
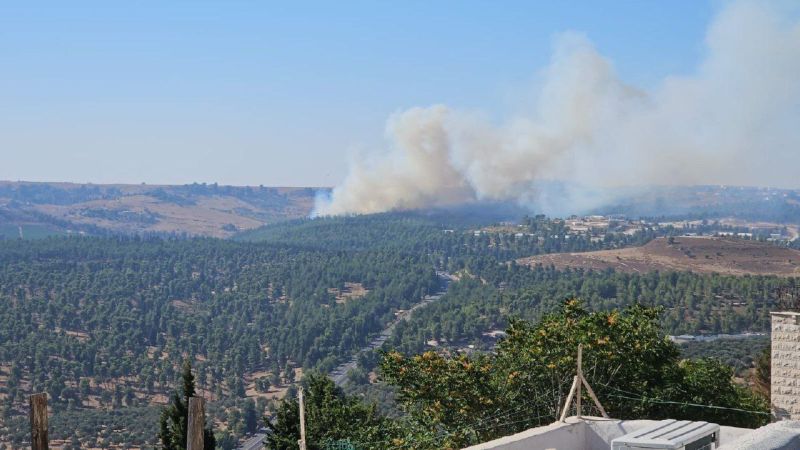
(671, 435)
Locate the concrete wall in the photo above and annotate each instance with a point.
(590, 433)
(783, 435)
(785, 390)
(558, 436)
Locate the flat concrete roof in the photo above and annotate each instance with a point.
(596, 433)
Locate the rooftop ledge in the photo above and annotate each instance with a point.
(784, 318)
(596, 433)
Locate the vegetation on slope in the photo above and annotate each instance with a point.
(455, 400)
(484, 300)
(103, 322)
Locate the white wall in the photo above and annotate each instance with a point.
(588, 433)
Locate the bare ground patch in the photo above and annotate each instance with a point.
(351, 291)
(694, 254)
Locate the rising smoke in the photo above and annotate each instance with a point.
(735, 120)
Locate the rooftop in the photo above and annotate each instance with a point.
(596, 433)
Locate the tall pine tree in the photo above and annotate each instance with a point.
(174, 416)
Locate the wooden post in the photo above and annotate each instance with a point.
(196, 423)
(302, 441)
(575, 382)
(594, 398)
(578, 392)
(575, 390)
(39, 440)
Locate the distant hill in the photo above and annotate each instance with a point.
(31, 209)
(695, 254)
(704, 202)
(37, 209)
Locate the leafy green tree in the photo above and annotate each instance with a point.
(95, 312)
(763, 373)
(707, 381)
(634, 369)
(174, 417)
(263, 384)
(330, 416)
(226, 441)
(250, 416)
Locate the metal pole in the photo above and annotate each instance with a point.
(580, 378)
(302, 440)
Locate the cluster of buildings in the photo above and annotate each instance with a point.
(596, 227)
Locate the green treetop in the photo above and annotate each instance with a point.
(174, 417)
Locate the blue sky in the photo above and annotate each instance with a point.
(281, 93)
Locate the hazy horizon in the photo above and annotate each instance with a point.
(249, 94)
(398, 107)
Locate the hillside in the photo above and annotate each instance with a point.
(695, 254)
(103, 324)
(38, 209)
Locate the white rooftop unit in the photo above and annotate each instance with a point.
(671, 434)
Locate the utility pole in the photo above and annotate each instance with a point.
(196, 423)
(302, 440)
(580, 385)
(38, 416)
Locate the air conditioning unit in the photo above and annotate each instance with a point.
(671, 434)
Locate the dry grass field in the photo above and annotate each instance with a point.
(204, 210)
(695, 254)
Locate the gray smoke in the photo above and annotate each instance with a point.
(735, 120)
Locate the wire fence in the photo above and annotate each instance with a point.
(521, 414)
(510, 420)
(643, 398)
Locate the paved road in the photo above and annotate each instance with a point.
(254, 443)
(339, 374)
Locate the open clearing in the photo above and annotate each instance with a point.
(694, 254)
(40, 209)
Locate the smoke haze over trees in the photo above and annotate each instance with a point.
(728, 122)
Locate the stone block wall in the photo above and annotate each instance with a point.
(785, 390)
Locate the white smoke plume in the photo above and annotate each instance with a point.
(735, 120)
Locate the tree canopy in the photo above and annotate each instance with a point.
(331, 416)
(173, 423)
(456, 400)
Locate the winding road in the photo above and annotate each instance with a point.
(339, 374)
(254, 443)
